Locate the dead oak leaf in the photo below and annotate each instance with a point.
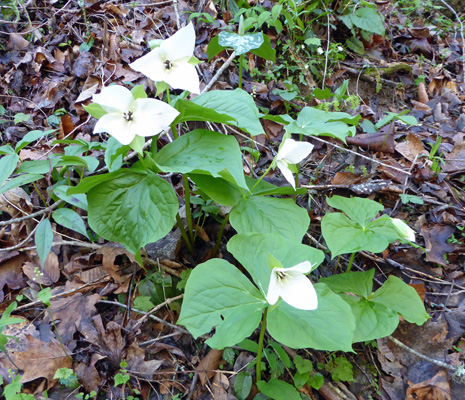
(73, 314)
(436, 242)
(40, 360)
(436, 388)
(136, 364)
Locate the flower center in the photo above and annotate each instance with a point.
(282, 277)
(168, 64)
(128, 116)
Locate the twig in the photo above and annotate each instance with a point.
(219, 72)
(327, 49)
(459, 372)
(155, 309)
(65, 242)
(359, 155)
(33, 215)
(461, 34)
(115, 303)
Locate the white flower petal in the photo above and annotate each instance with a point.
(114, 98)
(151, 65)
(403, 229)
(274, 289)
(294, 152)
(287, 147)
(183, 76)
(151, 116)
(299, 292)
(304, 267)
(116, 126)
(287, 173)
(181, 45)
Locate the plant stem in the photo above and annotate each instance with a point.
(349, 267)
(241, 58)
(220, 235)
(187, 203)
(184, 234)
(264, 174)
(260, 347)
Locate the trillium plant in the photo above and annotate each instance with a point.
(135, 204)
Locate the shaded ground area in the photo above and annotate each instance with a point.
(55, 55)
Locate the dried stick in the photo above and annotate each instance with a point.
(219, 72)
(33, 215)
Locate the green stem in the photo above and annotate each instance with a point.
(220, 235)
(350, 262)
(175, 131)
(260, 347)
(184, 234)
(241, 58)
(187, 203)
(264, 174)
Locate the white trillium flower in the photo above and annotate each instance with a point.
(320, 50)
(128, 117)
(293, 287)
(170, 61)
(292, 152)
(404, 230)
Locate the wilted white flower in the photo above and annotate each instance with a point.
(293, 287)
(290, 153)
(170, 61)
(128, 117)
(320, 50)
(404, 230)
(340, 48)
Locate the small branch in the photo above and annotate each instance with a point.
(359, 155)
(62, 243)
(33, 215)
(219, 72)
(115, 303)
(459, 372)
(155, 309)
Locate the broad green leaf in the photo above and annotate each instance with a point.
(38, 166)
(385, 227)
(7, 149)
(343, 235)
(132, 208)
(330, 327)
(372, 320)
(366, 18)
(190, 111)
(278, 390)
(88, 183)
(312, 121)
(265, 50)
(143, 303)
(204, 152)
(7, 166)
(114, 154)
(265, 188)
(44, 295)
(285, 359)
(240, 44)
(43, 239)
(237, 104)
(214, 48)
(218, 295)
(403, 299)
(358, 209)
(78, 200)
(70, 219)
(219, 190)
(96, 110)
(270, 215)
(19, 181)
(408, 119)
(253, 250)
(242, 385)
(316, 381)
(31, 137)
(138, 92)
(360, 283)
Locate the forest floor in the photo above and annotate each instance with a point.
(55, 55)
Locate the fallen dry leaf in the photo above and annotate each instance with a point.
(436, 243)
(208, 365)
(436, 388)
